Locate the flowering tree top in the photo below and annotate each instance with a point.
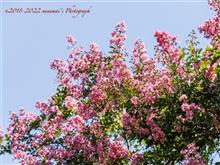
(107, 110)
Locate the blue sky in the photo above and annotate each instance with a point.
(31, 41)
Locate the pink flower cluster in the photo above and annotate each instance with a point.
(118, 36)
(157, 132)
(85, 111)
(139, 54)
(130, 124)
(190, 109)
(210, 72)
(191, 155)
(134, 100)
(70, 39)
(136, 159)
(97, 94)
(70, 103)
(18, 129)
(211, 28)
(167, 42)
(117, 151)
(183, 98)
(149, 80)
(215, 4)
(79, 144)
(96, 129)
(76, 122)
(45, 107)
(58, 65)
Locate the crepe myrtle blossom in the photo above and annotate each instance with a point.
(190, 109)
(70, 102)
(46, 107)
(215, 4)
(157, 132)
(117, 151)
(169, 53)
(211, 27)
(139, 54)
(112, 109)
(118, 36)
(210, 72)
(136, 159)
(60, 66)
(17, 130)
(130, 124)
(191, 155)
(183, 98)
(70, 39)
(134, 100)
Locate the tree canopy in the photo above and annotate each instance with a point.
(110, 110)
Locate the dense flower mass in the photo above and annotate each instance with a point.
(211, 28)
(215, 4)
(108, 111)
(117, 151)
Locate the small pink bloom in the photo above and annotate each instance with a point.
(183, 98)
(134, 100)
(71, 39)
